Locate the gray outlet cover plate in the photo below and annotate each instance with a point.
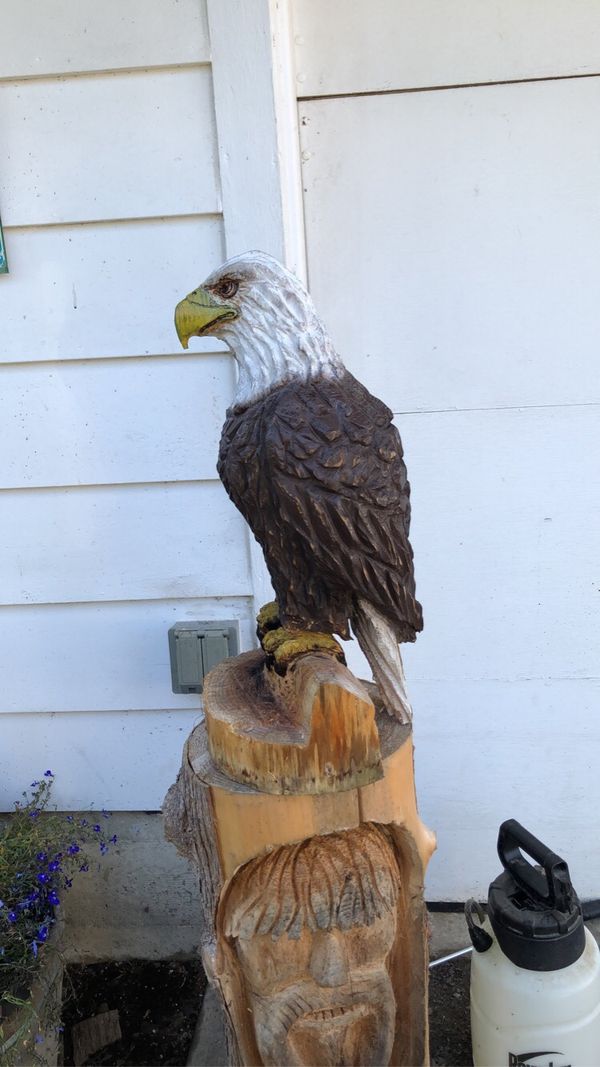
(196, 647)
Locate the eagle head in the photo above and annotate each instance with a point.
(268, 320)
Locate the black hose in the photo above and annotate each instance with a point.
(590, 909)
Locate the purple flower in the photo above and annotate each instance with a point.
(34, 949)
(96, 829)
(73, 849)
(54, 866)
(103, 848)
(39, 1040)
(48, 774)
(33, 896)
(42, 857)
(113, 839)
(84, 867)
(69, 818)
(42, 934)
(12, 916)
(53, 897)
(43, 878)
(83, 822)
(34, 814)
(105, 813)
(33, 784)
(68, 883)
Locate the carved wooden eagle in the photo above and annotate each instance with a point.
(314, 463)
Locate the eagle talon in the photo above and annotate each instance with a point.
(284, 646)
(267, 619)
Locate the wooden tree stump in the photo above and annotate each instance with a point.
(296, 802)
(310, 731)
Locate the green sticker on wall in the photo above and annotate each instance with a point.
(3, 260)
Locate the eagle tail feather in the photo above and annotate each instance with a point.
(378, 641)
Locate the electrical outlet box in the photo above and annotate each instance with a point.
(195, 648)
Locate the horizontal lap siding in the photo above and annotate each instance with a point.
(452, 244)
(343, 46)
(132, 756)
(113, 524)
(102, 289)
(109, 146)
(488, 751)
(505, 514)
(112, 421)
(70, 36)
(120, 542)
(100, 657)
(455, 221)
(506, 511)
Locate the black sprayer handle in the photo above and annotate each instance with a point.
(553, 888)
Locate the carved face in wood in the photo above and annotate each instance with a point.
(325, 998)
(312, 927)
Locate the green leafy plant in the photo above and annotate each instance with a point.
(41, 853)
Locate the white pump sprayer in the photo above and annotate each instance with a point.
(535, 971)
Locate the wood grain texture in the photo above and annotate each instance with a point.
(189, 804)
(252, 831)
(310, 732)
(306, 936)
(352, 46)
(92, 1034)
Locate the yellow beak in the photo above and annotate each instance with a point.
(197, 313)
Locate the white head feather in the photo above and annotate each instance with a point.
(277, 335)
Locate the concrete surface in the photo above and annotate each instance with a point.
(208, 1045)
(141, 901)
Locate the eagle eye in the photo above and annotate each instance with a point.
(227, 288)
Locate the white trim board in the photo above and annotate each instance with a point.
(258, 146)
(259, 155)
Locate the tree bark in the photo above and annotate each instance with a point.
(311, 858)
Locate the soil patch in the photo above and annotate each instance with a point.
(158, 1005)
(449, 1014)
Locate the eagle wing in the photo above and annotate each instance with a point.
(341, 497)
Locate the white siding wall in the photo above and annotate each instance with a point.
(112, 522)
(453, 229)
(451, 235)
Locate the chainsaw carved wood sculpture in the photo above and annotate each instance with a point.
(314, 464)
(296, 796)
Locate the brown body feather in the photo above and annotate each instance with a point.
(316, 469)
